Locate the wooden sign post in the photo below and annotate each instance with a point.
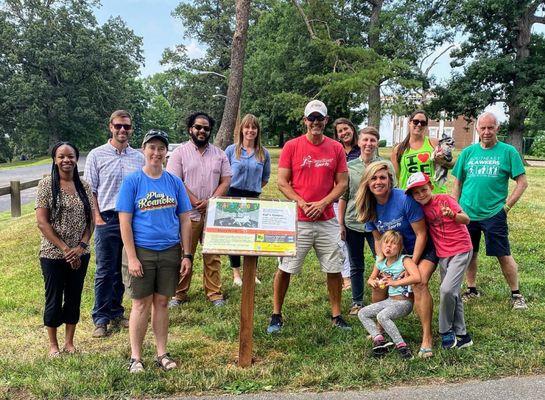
(246, 339)
(250, 228)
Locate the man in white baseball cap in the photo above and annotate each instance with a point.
(312, 171)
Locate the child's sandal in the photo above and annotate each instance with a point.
(425, 352)
(165, 362)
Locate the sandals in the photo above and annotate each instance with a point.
(135, 366)
(425, 352)
(165, 362)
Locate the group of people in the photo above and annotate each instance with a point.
(147, 221)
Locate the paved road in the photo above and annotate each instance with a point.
(519, 388)
(25, 174)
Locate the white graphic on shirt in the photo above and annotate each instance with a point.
(309, 162)
(394, 224)
(154, 201)
(484, 167)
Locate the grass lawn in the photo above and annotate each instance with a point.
(27, 163)
(307, 355)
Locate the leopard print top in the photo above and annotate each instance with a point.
(70, 224)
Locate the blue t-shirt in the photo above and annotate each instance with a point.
(155, 205)
(248, 171)
(397, 214)
(394, 271)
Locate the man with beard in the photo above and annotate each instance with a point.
(206, 173)
(105, 169)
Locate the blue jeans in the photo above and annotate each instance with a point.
(355, 241)
(109, 287)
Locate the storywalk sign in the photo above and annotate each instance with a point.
(250, 228)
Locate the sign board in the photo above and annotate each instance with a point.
(250, 227)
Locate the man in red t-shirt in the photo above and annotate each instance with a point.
(312, 171)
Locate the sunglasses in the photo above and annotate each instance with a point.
(420, 122)
(313, 118)
(200, 127)
(127, 127)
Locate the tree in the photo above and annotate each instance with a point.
(502, 59)
(64, 73)
(234, 90)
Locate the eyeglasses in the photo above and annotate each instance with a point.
(200, 127)
(127, 127)
(313, 118)
(420, 122)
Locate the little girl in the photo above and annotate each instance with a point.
(395, 271)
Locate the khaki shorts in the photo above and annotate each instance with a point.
(161, 272)
(325, 237)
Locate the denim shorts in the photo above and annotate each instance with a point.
(496, 235)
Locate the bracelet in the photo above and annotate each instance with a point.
(507, 207)
(83, 245)
(188, 256)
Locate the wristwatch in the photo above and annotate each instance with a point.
(190, 256)
(83, 245)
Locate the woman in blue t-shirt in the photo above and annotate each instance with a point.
(155, 225)
(384, 208)
(251, 167)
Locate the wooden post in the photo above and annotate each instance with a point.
(246, 341)
(15, 188)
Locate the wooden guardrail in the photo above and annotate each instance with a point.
(14, 189)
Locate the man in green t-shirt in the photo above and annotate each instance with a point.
(482, 174)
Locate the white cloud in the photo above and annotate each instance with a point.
(194, 51)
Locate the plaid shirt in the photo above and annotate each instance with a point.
(106, 168)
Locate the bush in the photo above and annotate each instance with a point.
(538, 146)
(382, 143)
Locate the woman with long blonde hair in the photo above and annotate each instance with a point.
(251, 167)
(384, 208)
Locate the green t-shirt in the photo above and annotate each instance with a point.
(418, 160)
(356, 167)
(484, 175)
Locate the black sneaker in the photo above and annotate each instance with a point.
(405, 353)
(463, 341)
(381, 348)
(276, 323)
(339, 322)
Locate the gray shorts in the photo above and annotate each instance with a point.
(325, 237)
(161, 272)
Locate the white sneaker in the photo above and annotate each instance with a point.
(237, 281)
(518, 302)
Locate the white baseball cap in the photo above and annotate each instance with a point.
(316, 106)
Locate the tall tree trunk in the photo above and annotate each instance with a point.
(373, 99)
(517, 113)
(234, 90)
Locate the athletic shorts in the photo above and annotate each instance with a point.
(325, 238)
(161, 272)
(496, 235)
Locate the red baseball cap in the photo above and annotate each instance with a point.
(416, 180)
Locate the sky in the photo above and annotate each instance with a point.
(152, 20)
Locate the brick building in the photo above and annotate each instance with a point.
(464, 133)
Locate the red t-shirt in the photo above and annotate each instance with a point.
(313, 168)
(449, 237)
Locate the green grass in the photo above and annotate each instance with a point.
(307, 355)
(27, 163)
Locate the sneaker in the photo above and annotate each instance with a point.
(381, 348)
(355, 309)
(469, 295)
(218, 303)
(463, 341)
(120, 322)
(448, 340)
(405, 353)
(518, 302)
(237, 281)
(257, 281)
(339, 322)
(276, 323)
(101, 330)
(174, 302)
